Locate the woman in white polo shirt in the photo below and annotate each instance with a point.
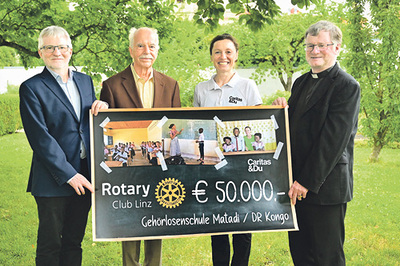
(227, 88)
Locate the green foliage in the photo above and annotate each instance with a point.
(98, 29)
(373, 60)
(254, 13)
(280, 50)
(267, 100)
(183, 56)
(8, 57)
(371, 225)
(10, 119)
(12, 89)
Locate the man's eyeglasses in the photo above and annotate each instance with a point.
(51, 48)
(321, 46)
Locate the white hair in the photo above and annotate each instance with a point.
(134, 31)
(53, 31)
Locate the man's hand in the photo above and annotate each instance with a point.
(297, 192)
(97, 105)
(280, 101)
(79, 183)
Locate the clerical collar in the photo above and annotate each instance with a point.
(321, 74)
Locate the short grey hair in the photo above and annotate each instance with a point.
(53, 31)
(323, 25)
(134, 31)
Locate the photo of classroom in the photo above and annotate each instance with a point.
(144, 143)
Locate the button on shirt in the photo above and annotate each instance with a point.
(237, 92)
(145, 88)
(71, 91)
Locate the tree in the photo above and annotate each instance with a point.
(255, 13)
(98, 29)
(279, 49)
(373, 59)
(184, 55)
(8, 57)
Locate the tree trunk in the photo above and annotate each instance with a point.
(288, 84)
(376, 150)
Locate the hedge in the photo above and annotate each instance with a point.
(10, 119)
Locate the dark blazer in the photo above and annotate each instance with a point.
(120, 91)
(54, 132)
(322, 147)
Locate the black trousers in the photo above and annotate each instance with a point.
(201, 149)
(62, 224)
(221, 249)
(321, 235)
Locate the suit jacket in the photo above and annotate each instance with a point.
(120, 91)
(54, 132)
(322, 146)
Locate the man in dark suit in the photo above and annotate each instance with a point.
(323, 114)
(54, 109)
(140, 86)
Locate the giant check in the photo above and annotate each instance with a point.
(150, 183)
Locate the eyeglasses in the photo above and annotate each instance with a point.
(309, 47)
(51, 48)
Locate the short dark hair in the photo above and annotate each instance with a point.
(227, 138)
(170, 126)
(221, 37)
(258, 134)
(201, 130)
(235, 129)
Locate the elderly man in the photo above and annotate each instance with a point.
(323, 115)
(54, 110)
(140, 86)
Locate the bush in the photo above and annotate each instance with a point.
(10, 119)
(267, 100)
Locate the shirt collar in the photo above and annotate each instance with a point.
(136, 76)
(234, 80)
(58, 77)
(321, 74)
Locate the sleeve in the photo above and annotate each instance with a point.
(196, 102)
(43, 144)
(253, 94)
(340, 124)
(106, 95)
(176, 98)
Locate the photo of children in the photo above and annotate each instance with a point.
(196, 141)
(234, 142)
(181, 141)
(258, 145)
(227, 146)
(178, 141)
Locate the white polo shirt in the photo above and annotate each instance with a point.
(237, 92)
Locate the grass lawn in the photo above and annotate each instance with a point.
(372, 221)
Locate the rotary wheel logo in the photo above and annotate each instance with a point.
(170, 193)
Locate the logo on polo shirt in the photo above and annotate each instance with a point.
(233, 99)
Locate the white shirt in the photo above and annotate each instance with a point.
(239, 145)
(237, 92)
(123, 156)
(201, 137)
(71, 91)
